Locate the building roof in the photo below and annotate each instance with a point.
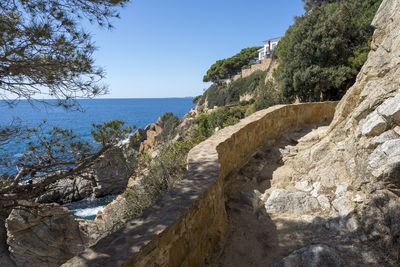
(273, 39)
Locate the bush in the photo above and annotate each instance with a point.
(225, 68)
(222, 95)
(268, 95)
(168, 122)
(196, 99)
(164, 171)
(219, 119)
(322, 53)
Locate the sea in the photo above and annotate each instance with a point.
(138, 112)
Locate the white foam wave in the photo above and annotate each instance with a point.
(87, 212)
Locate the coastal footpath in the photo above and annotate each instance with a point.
(185, 226)
(347, 172)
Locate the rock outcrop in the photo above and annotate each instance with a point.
(348, 175)
(109, 175)
(43, 235)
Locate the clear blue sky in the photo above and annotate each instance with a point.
(163, 48)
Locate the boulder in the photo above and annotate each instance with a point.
(68, 190)
(373, 125)
(343, 205)
(385, 159)
(380, 139)
(312, 256)
(390, 109)
(111, 173)
(43, 235)
(282, 200)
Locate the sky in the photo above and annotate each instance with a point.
(163, 48)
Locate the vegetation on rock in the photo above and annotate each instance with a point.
(321, 54)
(221, 95)
(219, 119)
(226, 68)
(319, 58)
(163, 171)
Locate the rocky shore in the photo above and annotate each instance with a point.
(47, 234)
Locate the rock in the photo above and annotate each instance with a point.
(253, 199)
(397, 130)
(43, 235)
(328, 177)
(135, 139)
(377, 140)
(373, 125)
(358, 198)
(303, 186)
(68, 190)
(385, 159)
(112, 173)
(187, 127)
(312, 256)
(390, 109)
(324, 202)
(152, 131)
(341, 189)
(109, 175)
(343, 205)
(282, 200)
(316, 189)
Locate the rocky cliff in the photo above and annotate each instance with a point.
(344, 181)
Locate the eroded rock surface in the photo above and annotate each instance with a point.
(43, 235)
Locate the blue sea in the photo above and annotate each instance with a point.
(137, 112)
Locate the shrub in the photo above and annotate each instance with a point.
(163, 172)
(196, 99)
(220, 118)
(225, 68)
(222, 95)
(268, 95)
(168, 122)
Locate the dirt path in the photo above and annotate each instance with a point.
(256, 238)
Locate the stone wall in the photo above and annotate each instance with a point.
(264, 65)
(185, 226)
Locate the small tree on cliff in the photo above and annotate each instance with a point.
(45, 52)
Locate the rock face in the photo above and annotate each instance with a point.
(109, 175)
(355, 164)
(43, 235)
(152, 131)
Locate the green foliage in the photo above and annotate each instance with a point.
(309, 4)
(321, 54)
(219, 119)
(110, 133)
(196, 99)
(267, 95)
(225, 68)
(164, 171)
(50, 155)
(168, 123)
(45, 51)
(243, 86)
(221, 95)
(215, 95)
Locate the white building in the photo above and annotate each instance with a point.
(269, 47)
